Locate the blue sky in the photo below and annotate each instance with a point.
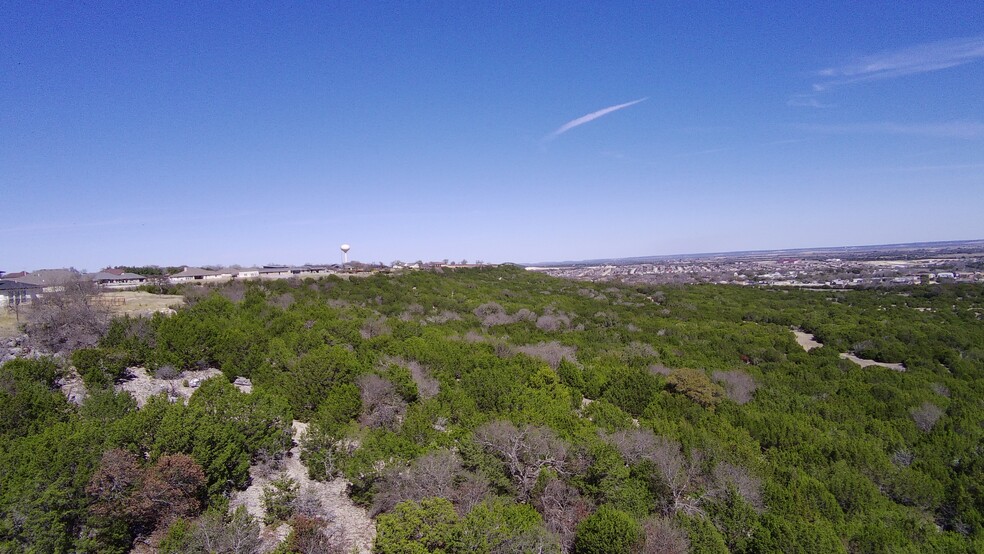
(222, 133)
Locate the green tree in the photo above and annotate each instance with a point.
(410, 528)
(697, 386)
(607, 531)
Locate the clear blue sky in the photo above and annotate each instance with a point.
(221, 133)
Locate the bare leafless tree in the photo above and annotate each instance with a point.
(382, 406)
(660, 369)
(491, 314)
(444, 317)
(316, 535)
(68, 319)
(553, 321)
(431, 475)
(727, 477)
(525, 451)
(639, 351)
(682, 474)
(926, 416)
(523, 315)
(234, 291)
(661, 536)
(437, 474)
(473, 337)
(635, 445)
(903, 457)
(738, 385)
(427, 386)
(239, 533)
(374, 327)
(562, 508)
(471, 490)
(551, 352)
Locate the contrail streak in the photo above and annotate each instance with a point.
(590, 117)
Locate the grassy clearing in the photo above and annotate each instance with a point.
(140, 303)
(120, 303)
(8, 322)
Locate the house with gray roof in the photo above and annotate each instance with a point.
(13, 292)
(117, 280)
(50, 280)
(197, 274)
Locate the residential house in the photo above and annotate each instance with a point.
(13, 292)
(247, 273)
(50, 280)
(117, 279)
(197, 274)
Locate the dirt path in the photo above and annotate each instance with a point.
(806, 340)
(359, 528)
(865, 363)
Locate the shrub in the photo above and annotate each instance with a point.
(607, 531)
(99, 367)
(167, 372)
(926, 416)
(278, 499)
(695, 385)
(429, 526)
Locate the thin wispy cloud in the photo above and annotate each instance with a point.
(922, 58)
(590, 117)
(891, 64)
(951, 129)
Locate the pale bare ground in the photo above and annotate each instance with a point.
(132, 302)
(359, 528)
(142, 385)
(809, 342)
(72, 387)
(865, 363)
(806, 340)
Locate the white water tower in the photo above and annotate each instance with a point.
(345, 248)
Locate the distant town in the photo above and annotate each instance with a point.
(837, 267)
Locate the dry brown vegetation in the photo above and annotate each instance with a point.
(550, 352)
(437, 474)
(382, 406)
(525, 451)
(738, 385)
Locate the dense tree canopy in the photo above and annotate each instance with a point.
(498, 410)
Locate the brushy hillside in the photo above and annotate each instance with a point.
(495, 410)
